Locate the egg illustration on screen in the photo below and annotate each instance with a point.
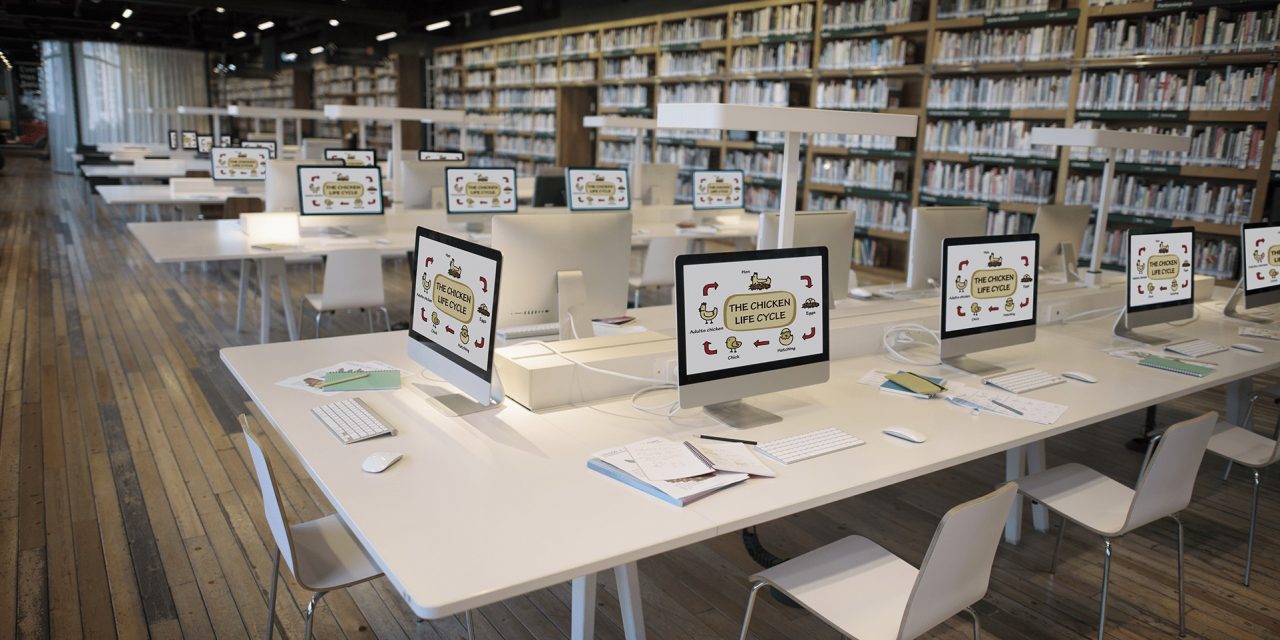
(961, 284)
(732, 344)
(1008, 304)
(464, 336)
(483, 310)
(1173, 286)
(785, 337)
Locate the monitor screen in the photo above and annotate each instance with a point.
(204, 143)
(1260, 245)
(989, 283)
(480, 190)
(352, 157)
(593, 189)
(270, 146)
(1160, 271)
(238, 163)
(173, 139)
(745, 312)
(718, 189)
(427, 155)
(225, 141)
(455, 300)
(326, 190)
(189, 142)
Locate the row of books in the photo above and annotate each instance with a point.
(866, 53)
(868, 13)
(691, 92)
(1212, 145)
(1008, 223)
(579, 44)
(782, 20)
(628, 68)
(478, 99)
(507, 76)
(1226, 88)
(688, 134)
(1114, 245)
(449, 101)
(772, 93)
(858, 93)
(985, 137)
(852, 141)
(988, 183)
(537, 122)
(872, 252)
(1217, 30)
(546, 73)
(1171, 199)
(482, 55)
(543, 147)
(756, 164)
(1046, 42)
(446, 59)
(527, 98)
(577, 71)
(624, 96)
(1013, 92)
(523, 50)
(636, 37)
(690, 63)
(684, 157)
(886, 175)
(757, 199)
(968, 8)
(783, 56)
(622, 152)
(1217, 257)
(886, 215)
(691, 30)
(446, 79)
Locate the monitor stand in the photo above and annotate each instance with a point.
(459, 404)
(1069, 266)
(740, 415)
(1231, 309)
(1122, 330)
(571, 295)
(970, 365)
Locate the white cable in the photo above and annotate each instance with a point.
(901, 334)
(588, 367)
(665, 409)
(1101, 313)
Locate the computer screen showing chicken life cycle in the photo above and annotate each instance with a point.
(352, 157)
(238, 163)
(989, 283)
(593, 189)
(719, 189)
(1261, 249)
(1160, 269)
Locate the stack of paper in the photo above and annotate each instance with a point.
(679, 472)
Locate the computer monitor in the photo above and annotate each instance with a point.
(830, 229)
(455, 305)
(281, 189)
(173, 140)
(1061, 229)
(989, 298)
(352, 157)
(420, 182)
(269, 145)
(313, 148)
(333, 195)
(1259, 270)
(204, 143)
(592, 189)
(224, 140)
(749, 323)
(1161, 282)
(719, 189)
(238, 164)
(565, 267)
(658, 184)
(472, 190)
(929, 227)
(548, 189)
(429, 155)
(189, 142)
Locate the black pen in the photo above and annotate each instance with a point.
(718, 438)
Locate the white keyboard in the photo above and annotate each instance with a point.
(1194, 348)
(1024, 380)
(910, 294)
(352, 420)
(808, 445)
(529, 331)
(1260, 332)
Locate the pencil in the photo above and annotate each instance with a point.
(362, 374)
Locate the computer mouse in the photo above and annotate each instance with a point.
(910, 435)
(1082, 377)
(1245, 346)
(380, 461)
(860, 293)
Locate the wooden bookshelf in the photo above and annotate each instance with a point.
(913, 50)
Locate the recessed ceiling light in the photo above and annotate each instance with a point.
(239, 34)
(126, 13)
(434, 26)
(289, 57)
(115, 25)
(263, 26)
(386, 36)
(316, 50)
(505, 10)
(220, 9)
(333, 23)
(231, 67)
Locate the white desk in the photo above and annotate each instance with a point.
(124, 195)
(131, 171)
(525, 513)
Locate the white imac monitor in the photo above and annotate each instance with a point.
(830, 229)
(1161, 281)
(352, 157)
(281, 188)
(658, 184)
(1061, 228)
(565, 268)
(269, 145)
(238, 165)
(331, 195)
(313, 148)
(455, 302)
(594, 189)
(929, 227)
(989, 298)
(750, 323)
(1259, 270)
(719, 189)
(423, 179)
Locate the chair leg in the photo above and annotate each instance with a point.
(977, 632)
(386, 318)
(311, 612)
(751, 606)
(467, 618)
(1182, 592)
(1106, 576)
(271, 604)
(318, 315)
(1253, 523)
(1227, 471)
(1053, 561)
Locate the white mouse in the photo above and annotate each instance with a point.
(860, 293)
(380, 461)
(1245, 346)
(1082, 377)
(910, 435)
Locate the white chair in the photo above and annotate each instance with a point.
(1252, 450)
(352, 280)
(659, 266)
(1111, 509)
(868, 593)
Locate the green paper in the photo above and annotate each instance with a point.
(375, 381)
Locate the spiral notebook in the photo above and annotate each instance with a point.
(1176, 366)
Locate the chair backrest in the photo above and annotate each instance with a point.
(236, 205)
(271, 502)
(659, 267)
(957, 568)
(353, 279)
(1165, 486)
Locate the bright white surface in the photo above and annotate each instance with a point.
(203, 111)
(1106, 138)
(223, 240)
(124, 194)
(791, 119)
(145, 169)
(356, 112)
(242, 111)
(597, 122)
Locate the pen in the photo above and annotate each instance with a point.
(363, 374)
(1005, 406)
(722, 439)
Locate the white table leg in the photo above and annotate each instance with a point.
(1015, 460)
(583, 615)
(1238, 400)
(286, 300)
(244, 288)
(265, 272)
(1036, 464)
(628, 576)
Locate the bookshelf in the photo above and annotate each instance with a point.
(979, 73)
(367, 86)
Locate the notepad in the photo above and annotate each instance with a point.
(1176, 366)
(375, 381)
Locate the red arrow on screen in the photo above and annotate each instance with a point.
(1259, 274)
(808, 281)
(708, 287)
(1185, 283)
(963, 264)
(484, 285)
(706, 348)
(959, 311)
(448, 329)
(1141, 250)
(1184, 248)
(1140, 291)
(479, 343)
(813, 331)
(1259, 241)
(424, 315)
(1026, 262)
(429, 261)
(993, 308)
(1025, 302)
(760, 343)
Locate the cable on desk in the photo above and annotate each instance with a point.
(1100, 313)
(901, 334)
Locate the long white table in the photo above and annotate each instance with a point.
(131, 171)
(524, 512)
(143, 195)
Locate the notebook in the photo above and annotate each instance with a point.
(375, 381)
(617, 464)
(1176, 366)
(893, 387)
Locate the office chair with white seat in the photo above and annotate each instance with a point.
(1252, 450)
(866, 592)
(1111, 509)
(658, 269)
(352, 280)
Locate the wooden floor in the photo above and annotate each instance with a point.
(128, 508)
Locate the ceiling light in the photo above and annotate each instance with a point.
(126, 13)
(333, 23)
(231, 67)
(239, 34)
(115, 25)
(316, 50)
(505, 10)
(438, 25)
(263, 26)
(220, 9)
(381, 37)
(289, 57)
